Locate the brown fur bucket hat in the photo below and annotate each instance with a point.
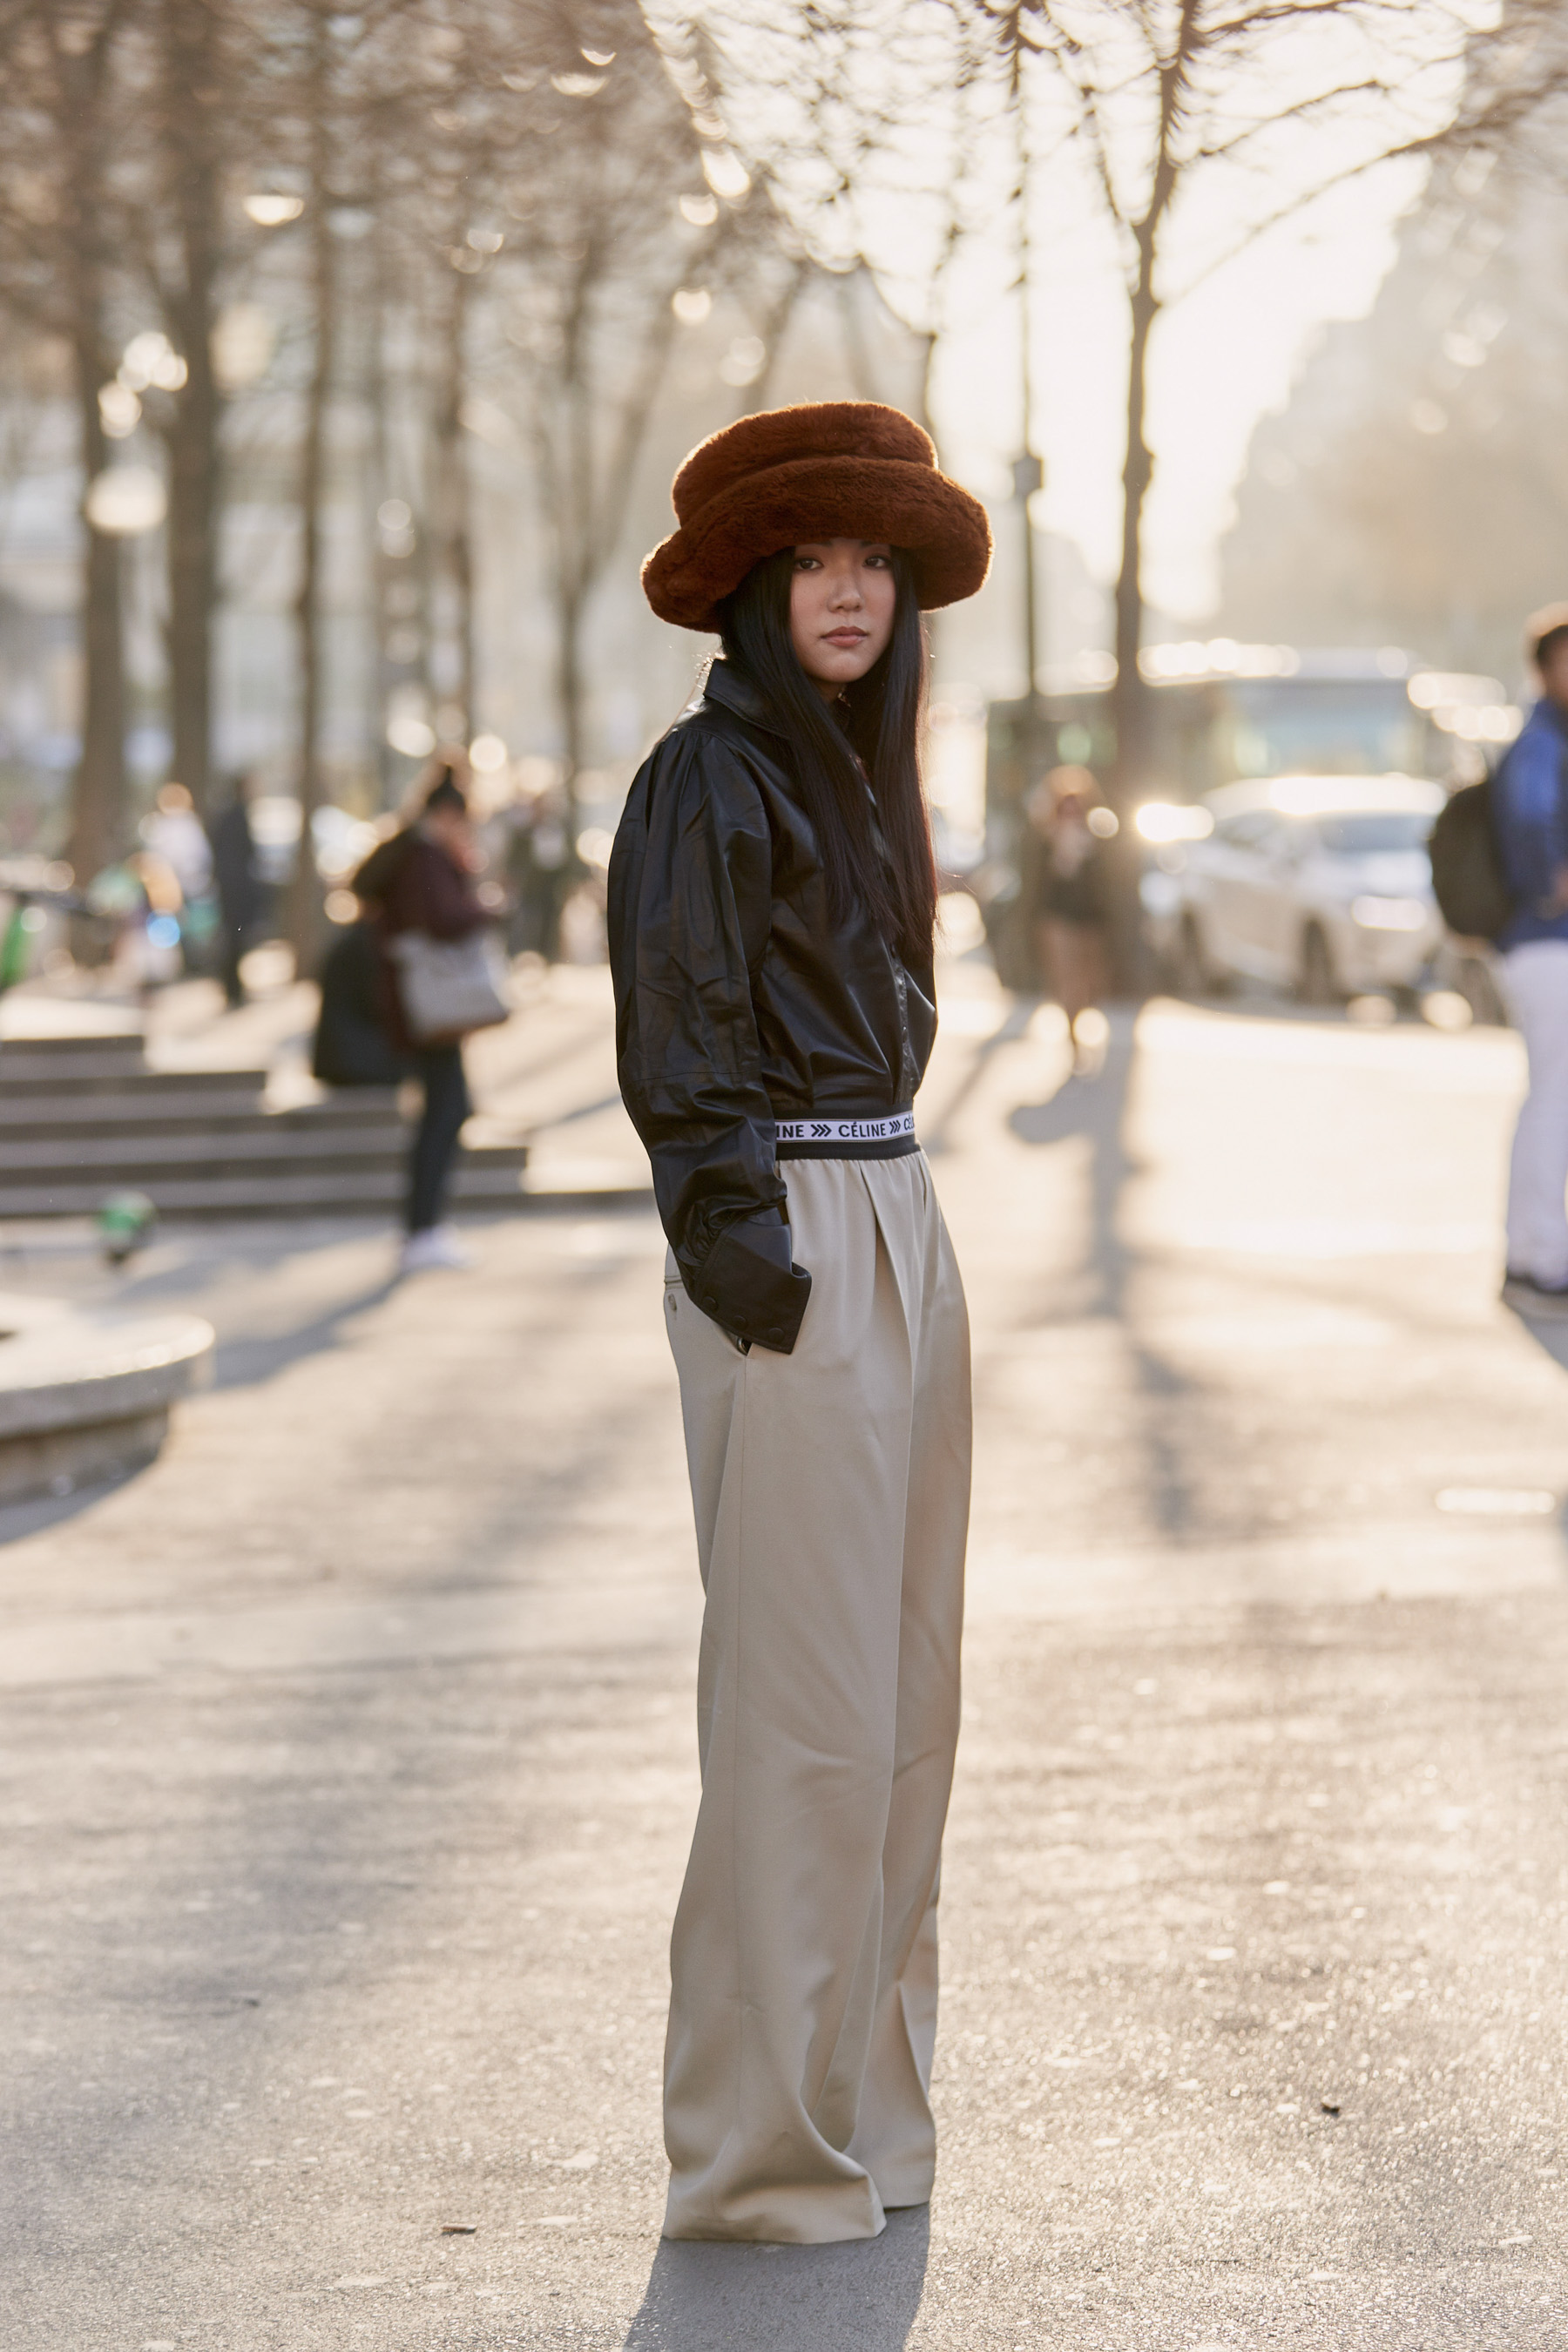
(826, 469)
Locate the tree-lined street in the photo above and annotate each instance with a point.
(349, 1758)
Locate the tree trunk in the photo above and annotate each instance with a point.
(926, 343)
(191, 88)
(576, 556)
(1129, 696)
(388, 571)
(97, 796)
(1130, 705)
(455, 510)
(569, 690)
(774, 324)
(97, 792)
(305, 895)
(861, 373)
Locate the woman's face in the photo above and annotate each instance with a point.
(841, 600)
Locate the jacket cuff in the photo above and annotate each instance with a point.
(749, 1283)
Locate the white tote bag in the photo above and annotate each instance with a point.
(450, 987)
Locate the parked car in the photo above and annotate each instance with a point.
(1317, 884)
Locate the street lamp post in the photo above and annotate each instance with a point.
(1028, 476)
(1028, 472)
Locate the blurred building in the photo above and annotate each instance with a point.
(1415, 490)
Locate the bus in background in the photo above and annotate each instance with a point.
(1226, 713)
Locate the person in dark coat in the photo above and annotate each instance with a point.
(1069, 899)
(242, 893)
(421, 880)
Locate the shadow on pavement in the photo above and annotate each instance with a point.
(241, 1364)
(1096, 1108)
(717, 2298)
(367, 1833)
(934, 1134)
(1552, 1338)
(19, 1520)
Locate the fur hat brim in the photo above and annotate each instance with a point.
(816, 495)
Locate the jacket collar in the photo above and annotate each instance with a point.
(725, 684)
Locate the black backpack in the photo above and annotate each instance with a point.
(1468, 881)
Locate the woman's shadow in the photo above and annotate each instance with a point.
(856, 2298)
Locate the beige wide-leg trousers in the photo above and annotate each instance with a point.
(831, 1488)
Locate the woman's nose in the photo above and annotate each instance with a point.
(845, 590)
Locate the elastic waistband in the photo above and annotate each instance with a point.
(878, 1136)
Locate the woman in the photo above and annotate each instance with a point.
(421, 880)
(771, 903)
(1069, 899)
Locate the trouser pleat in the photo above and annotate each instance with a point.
(831, 1495)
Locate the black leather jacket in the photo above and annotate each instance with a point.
(739, 1001)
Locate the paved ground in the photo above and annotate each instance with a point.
(346, 1761)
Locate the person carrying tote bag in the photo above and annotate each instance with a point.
(772, 900)
(419, 889)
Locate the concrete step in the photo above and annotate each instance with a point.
(109, 1053)
(136, 1160)
(116, 1082)
(67, 1122)
(493, 1176)
(83, 1117)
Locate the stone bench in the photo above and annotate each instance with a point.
(85, 1397)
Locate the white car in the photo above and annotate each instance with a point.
(1317, 884)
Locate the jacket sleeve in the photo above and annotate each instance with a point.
(691, 904)
(1533, 832)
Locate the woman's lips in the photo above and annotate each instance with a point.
(847, 637)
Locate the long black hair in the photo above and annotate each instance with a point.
(880, 726)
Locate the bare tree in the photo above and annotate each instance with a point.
(331, 82)
(57, 256)
(1286, 98)
(197, 80)
(871, 125)
(604, 256)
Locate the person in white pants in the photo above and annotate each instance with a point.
(1530, 810)
(1535, 982)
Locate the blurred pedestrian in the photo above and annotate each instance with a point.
(1069, 896)
(539, 871)
(772, 897)
(420, 883)
(1529, 814)
(175, 833)
(138, 901)
(242, 893)
(351, 1046)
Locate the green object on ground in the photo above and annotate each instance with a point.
(125, 1224)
